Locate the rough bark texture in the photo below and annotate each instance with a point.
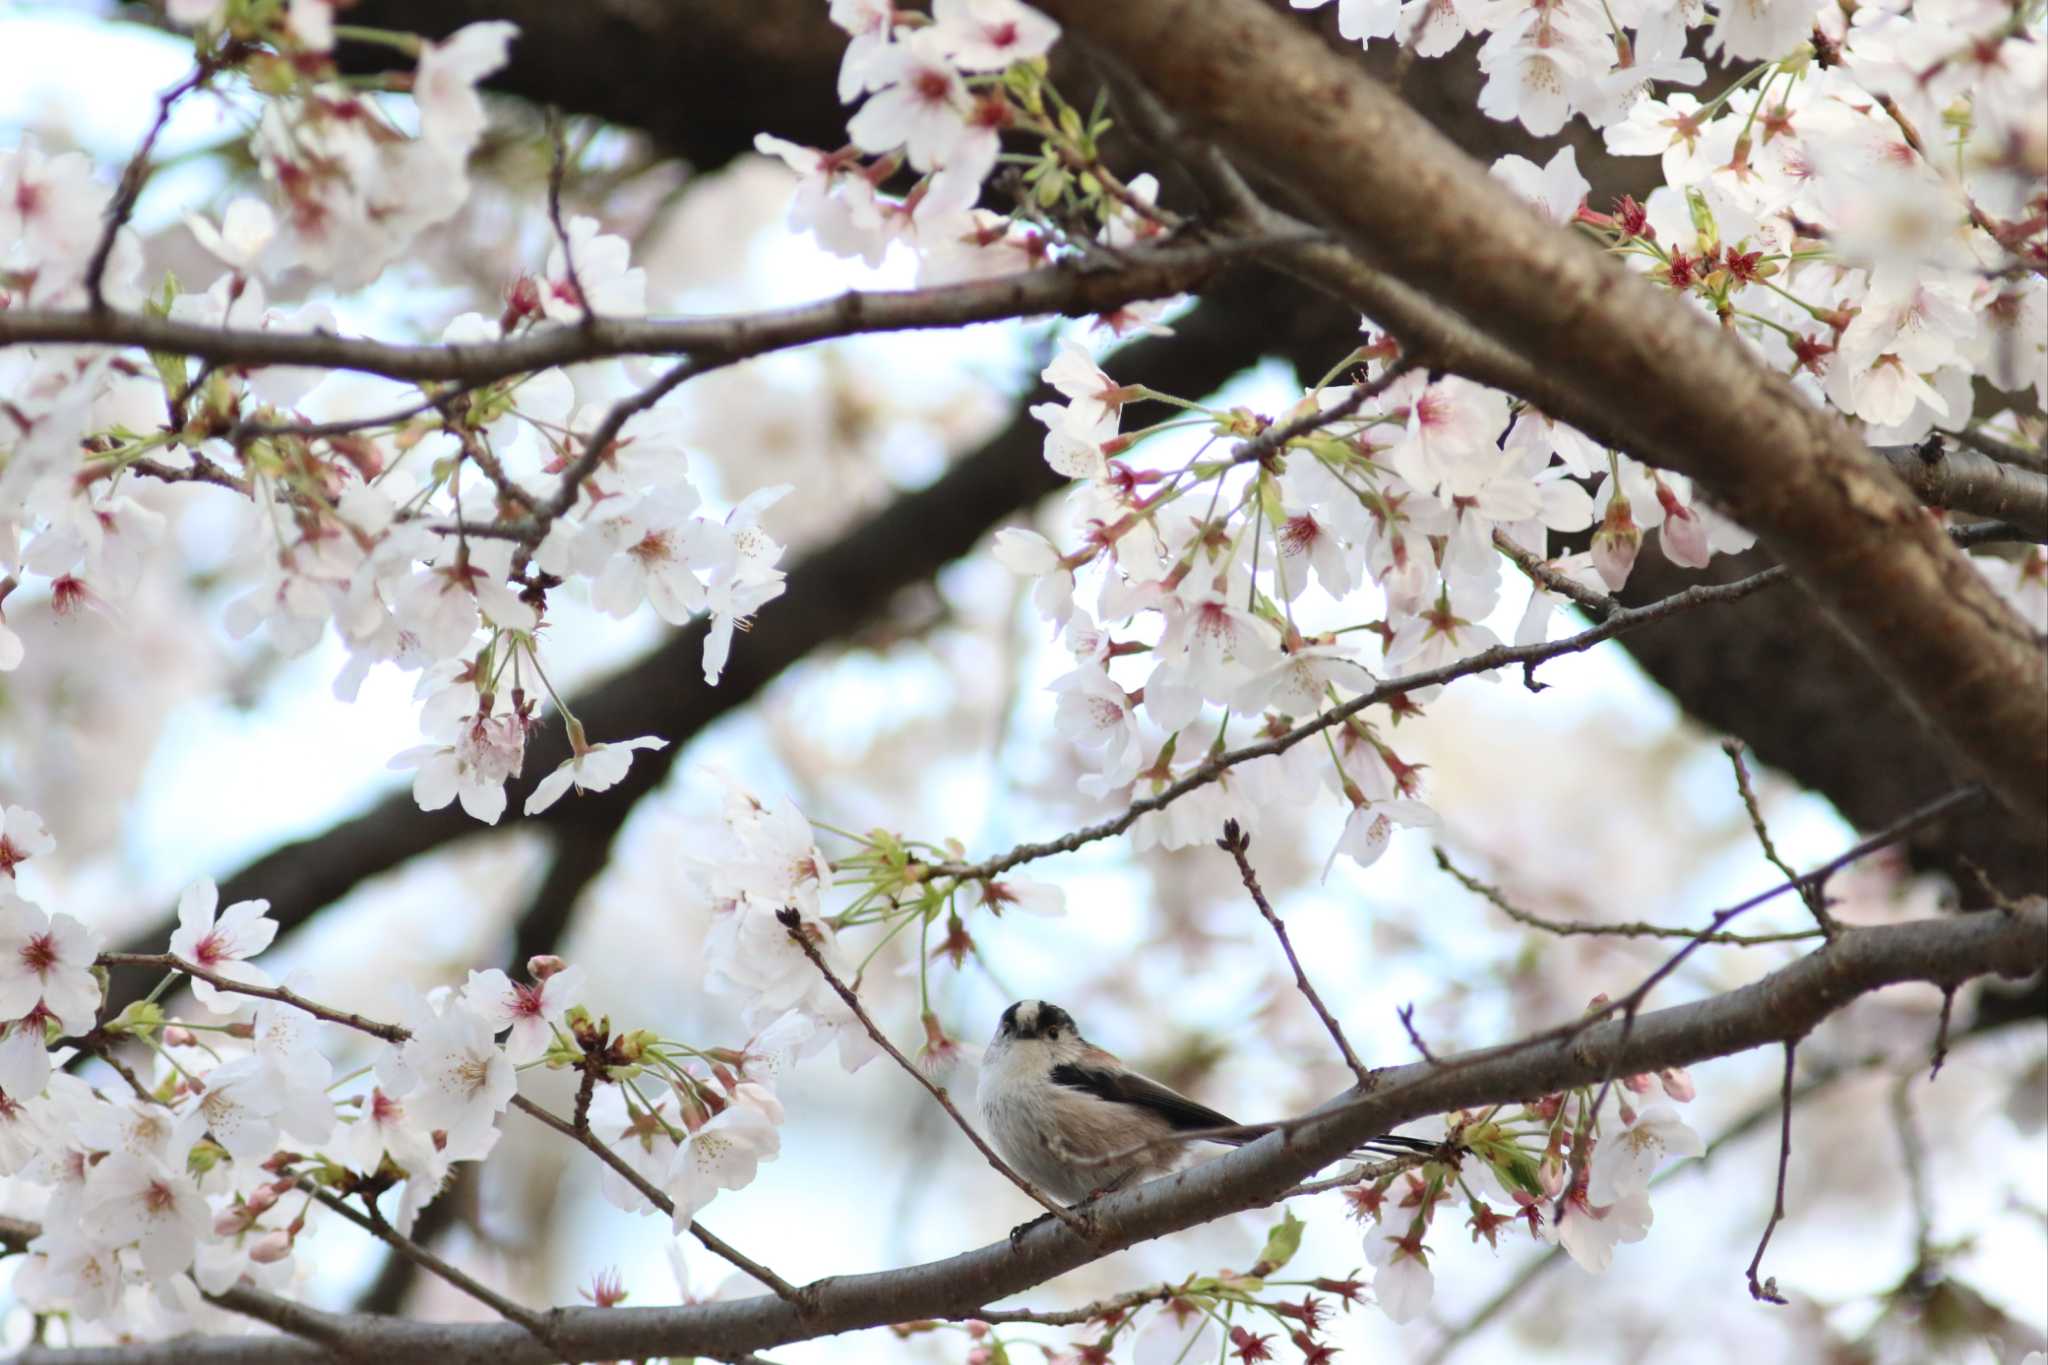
(1699, 402)
(702, 76)
(1784, 1005)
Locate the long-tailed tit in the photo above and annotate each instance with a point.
(1074, 1120)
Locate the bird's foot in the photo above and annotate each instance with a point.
(1017, 1233)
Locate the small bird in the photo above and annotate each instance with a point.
(1056, 1106)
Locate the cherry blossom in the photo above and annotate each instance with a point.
(723, 1154)
(920, 103)
(988, 35)
(464, 1079)
(221, 945)
(141, 1200)
(46, 960)
(1403, 1286)
(1590, 1232)
(1625, 1160)
(591, 768)
(1095, 714)
(532, 1010)
(22, 837)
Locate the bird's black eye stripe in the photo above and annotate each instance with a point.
(1009, 1020)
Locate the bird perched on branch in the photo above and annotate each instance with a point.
(1076, 1122)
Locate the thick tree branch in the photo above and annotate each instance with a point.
(1622, 359)
(1784, 1005)
(1963, 480)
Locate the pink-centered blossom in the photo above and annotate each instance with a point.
(221, 944)
(1403, 1286)
(533, 1010)
(46, 959)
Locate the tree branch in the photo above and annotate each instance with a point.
(1964, 480)
(833, 592)
(1786, 1004)
(1070, 290)
(1406, 199)
(1238, 845)
(793, 922)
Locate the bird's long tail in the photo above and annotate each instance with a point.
(1390, 1144)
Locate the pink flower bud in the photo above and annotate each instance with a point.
(1638, 1083)
(230, 1221)
(1677, 1083)
(262, 1197)
(541, 966)
(177, 1035)
(271, 1248)
(1615, 544)
(1685, 538)
(1550, 1175)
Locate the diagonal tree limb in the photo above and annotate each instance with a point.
(1786, 1004)
(1693, 400)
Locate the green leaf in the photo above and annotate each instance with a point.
(1282, 1242)
(143, 1019)
(1517, 1171)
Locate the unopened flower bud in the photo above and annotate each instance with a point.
(541, 966)
(177, 1035)
(271, 1248)
(1616, 544)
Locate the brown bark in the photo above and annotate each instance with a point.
(1627, 362)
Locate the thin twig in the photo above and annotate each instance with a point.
(122, 206)
(599, 444)
(374, 1223)
(1238, 844)
(284, 995)
(1767, 1291)
(1406, 1014)
(1274, 438)
(1533, 1269)
(1633, 929)
(1073, 1317)
(1948, 1005)
(556, 164)
(653, 1194)
(1485, 661)
(1913, 1157)
(1597, 605)
(793, 922)
(1372, 1170)
(1630, 1005)
(1815, 901)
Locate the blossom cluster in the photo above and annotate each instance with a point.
(1574, 1176)
(431, 526)
(207, 1172)
(1242, 584)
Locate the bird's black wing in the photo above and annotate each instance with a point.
(1128, 1087)
(1184, 1115)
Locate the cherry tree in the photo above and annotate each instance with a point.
(1708, 343)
